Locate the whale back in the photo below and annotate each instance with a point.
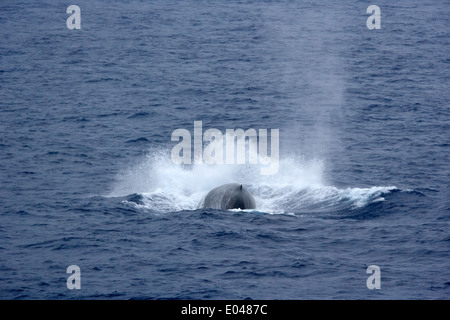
(229, 196)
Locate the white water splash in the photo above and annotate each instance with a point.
(298, 187)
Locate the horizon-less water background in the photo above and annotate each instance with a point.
(86, 178)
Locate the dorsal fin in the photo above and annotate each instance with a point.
(240, 188)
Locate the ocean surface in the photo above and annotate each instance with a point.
(87, 177)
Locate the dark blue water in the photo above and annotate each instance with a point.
(86, 177)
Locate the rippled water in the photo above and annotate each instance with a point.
(86, 177)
